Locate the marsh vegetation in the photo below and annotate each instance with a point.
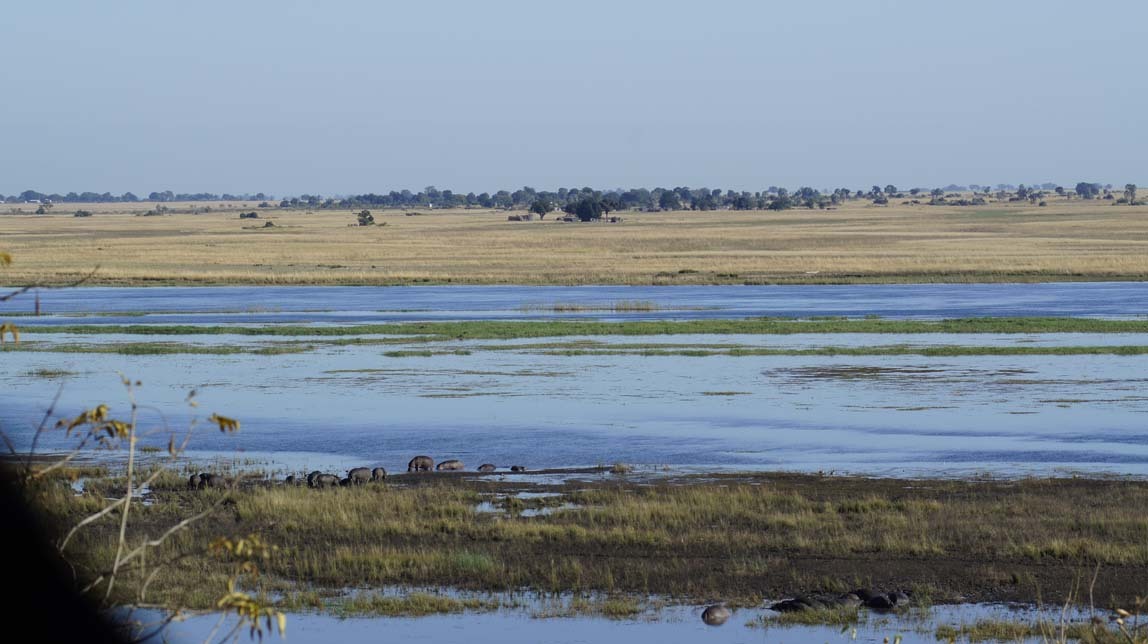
(739, 537)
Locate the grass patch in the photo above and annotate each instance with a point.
(412, 605)
(620, 306)
(610, 607)
(991, 630)
(837, 616)
(424, 353)
(157, 349)
(944, 351)
(736, 537)
(50, 374)
(501, 330)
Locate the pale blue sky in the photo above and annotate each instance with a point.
(360, 96)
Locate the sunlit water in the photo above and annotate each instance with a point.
(668, 626)
(362, 304)
(888, 415)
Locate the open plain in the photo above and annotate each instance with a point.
(1067, 240)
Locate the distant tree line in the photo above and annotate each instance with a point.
(589, 203)
(127, 197)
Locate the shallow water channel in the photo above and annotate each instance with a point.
(509, 402)
(365, 304)
(668, 625)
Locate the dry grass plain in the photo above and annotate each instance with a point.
(1066, 240)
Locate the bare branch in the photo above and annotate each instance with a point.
(43, 424)
(24, 289)
(155, 543)
(89, 519)
(8, 442)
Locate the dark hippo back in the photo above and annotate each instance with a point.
(420, 464)
(212, 480)
(715, 615)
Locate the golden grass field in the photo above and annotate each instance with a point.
(1066, 240)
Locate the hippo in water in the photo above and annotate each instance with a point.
(487, 467)
(452, 465)
(420, 464)
(715, 615)
(378, 474)
(359, 475)
(517, 468)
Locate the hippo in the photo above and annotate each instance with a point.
(311, 478)
(347, 482)
(715, 615)
(517, 468)
(325, 480)
(378, 474)
(486, 467)
(290, 480)
(359, 475)
(452, 465)
(212, 480)
(193, 482)
(420, 464)
(888, 601)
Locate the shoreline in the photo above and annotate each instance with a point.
(877, 279)
(738, 536)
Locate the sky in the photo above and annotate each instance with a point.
(351, 96)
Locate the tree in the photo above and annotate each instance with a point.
(669, 201)
(743, 202)
(542, 207)
(366, 218)
(1087, 190)
(502, 199)
(586, 208)
(1130, 192)
(890, 189)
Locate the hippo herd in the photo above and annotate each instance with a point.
(852, 599)
(362, 475)
(355, 476)
(718, 614)
(206, 480)
(425, 463)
